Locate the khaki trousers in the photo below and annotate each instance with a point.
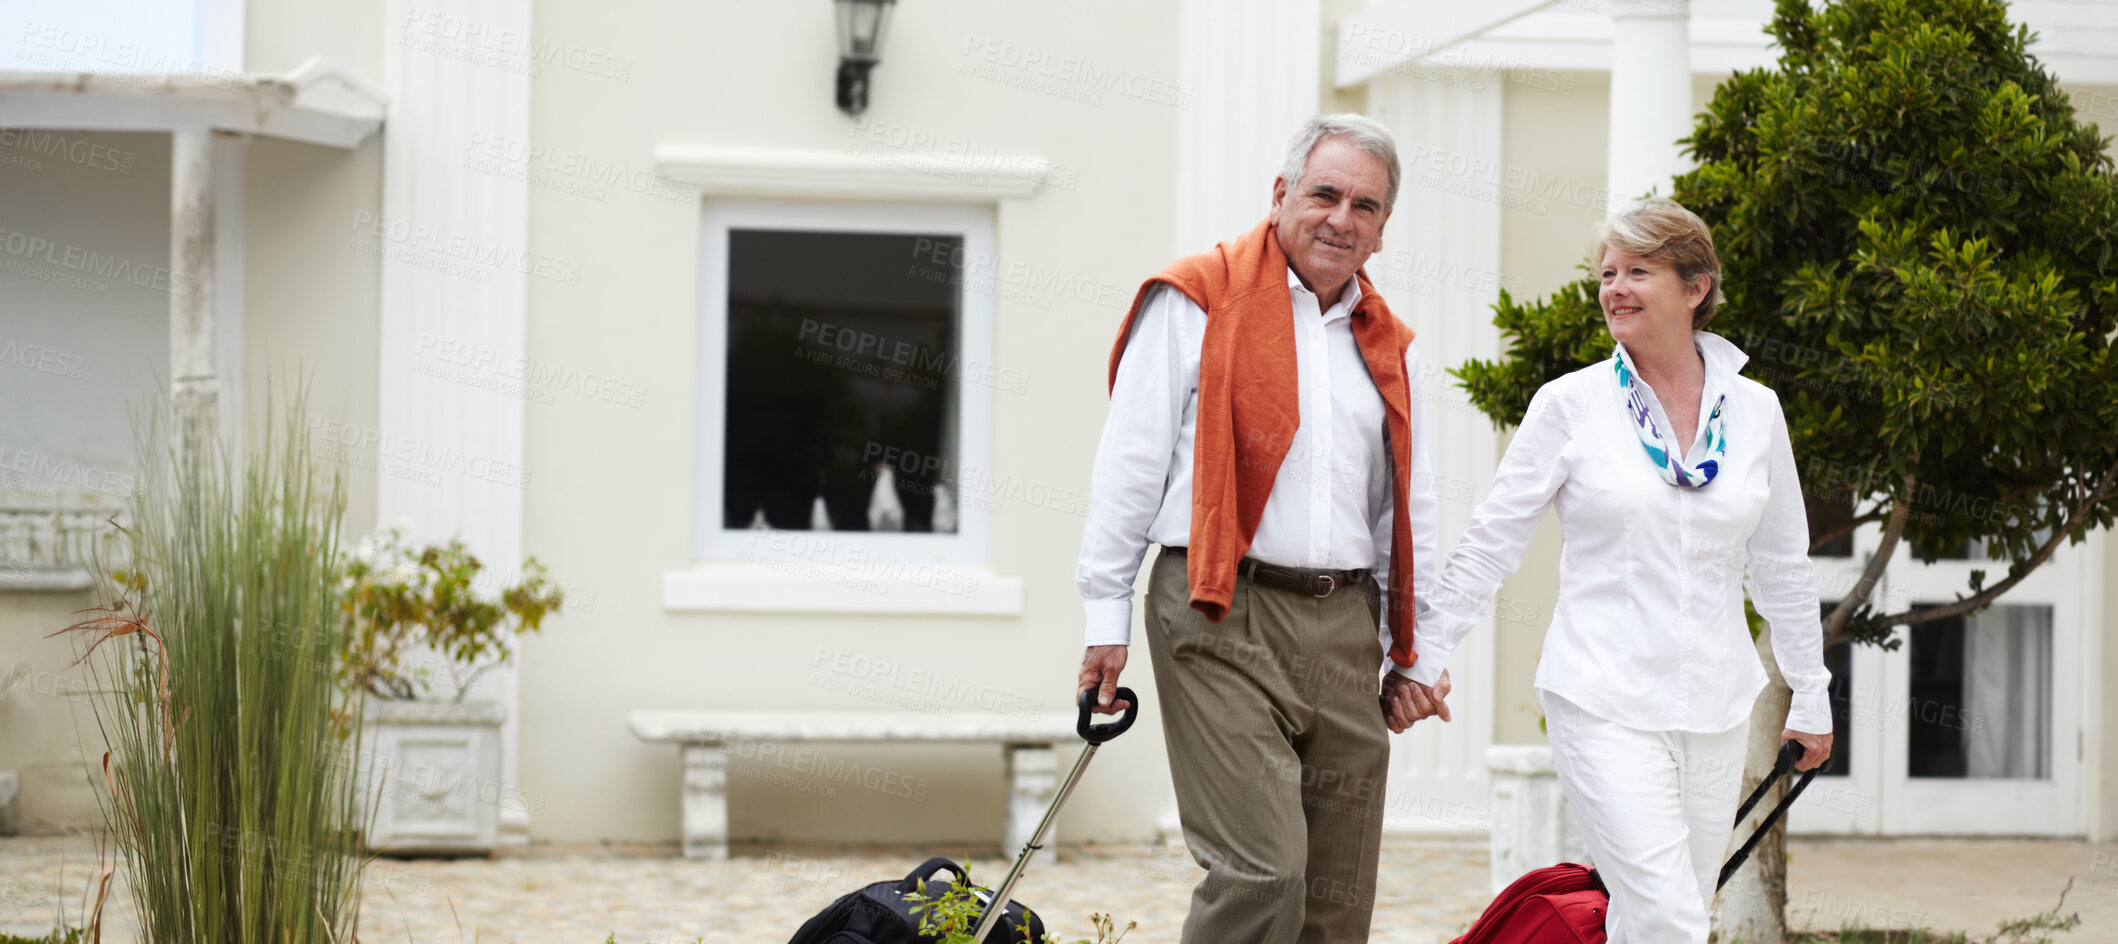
(1279, 750)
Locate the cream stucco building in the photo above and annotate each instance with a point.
(607, 283)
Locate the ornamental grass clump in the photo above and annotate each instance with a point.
(228, 786)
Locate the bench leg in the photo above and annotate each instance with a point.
(705, 798)
(1033, 779)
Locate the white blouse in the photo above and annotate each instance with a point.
(1649, 629)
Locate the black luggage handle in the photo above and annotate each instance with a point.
(1099, 733)
(916, 879)
(1790, 753)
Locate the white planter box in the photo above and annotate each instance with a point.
(430, 776)
(9, 783)
(1531, 827)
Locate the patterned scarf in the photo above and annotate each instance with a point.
(1659, 450)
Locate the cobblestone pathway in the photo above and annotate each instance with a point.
(578, 895)
(1428, 891)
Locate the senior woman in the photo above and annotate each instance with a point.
(1675, 485)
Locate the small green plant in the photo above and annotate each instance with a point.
(2038, 928)
(1853, 935)
(68, 936)
(951, 918)
(396, 596)
(2035, 929)
(1107, 930)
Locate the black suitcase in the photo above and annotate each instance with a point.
(879, 914)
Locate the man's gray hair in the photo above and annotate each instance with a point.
(1361, 131)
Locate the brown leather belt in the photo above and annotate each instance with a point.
(1313, 582)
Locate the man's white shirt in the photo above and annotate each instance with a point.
(1331, 504)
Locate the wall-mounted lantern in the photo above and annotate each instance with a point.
(860, 35)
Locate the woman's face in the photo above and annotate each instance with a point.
(1644, 302)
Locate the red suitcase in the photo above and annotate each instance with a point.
(1566, 903)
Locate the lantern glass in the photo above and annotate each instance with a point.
(861, 24)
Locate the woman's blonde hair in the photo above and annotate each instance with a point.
(1663, 230)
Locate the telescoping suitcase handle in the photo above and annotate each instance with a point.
(1095, 735)
(1099, 733)
(1790, 752)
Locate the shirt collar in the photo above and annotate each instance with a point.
(1723, 359)
(1346, 300)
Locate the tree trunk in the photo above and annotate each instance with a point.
(1752, 908)
(1893, 528)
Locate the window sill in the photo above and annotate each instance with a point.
(862, 171)
(927, 589)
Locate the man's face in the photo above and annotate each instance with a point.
(1331, 220)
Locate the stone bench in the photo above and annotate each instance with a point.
(709, 738)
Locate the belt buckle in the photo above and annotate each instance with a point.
(1330, 584)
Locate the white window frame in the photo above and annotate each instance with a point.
(926, 573)
(1877, 797)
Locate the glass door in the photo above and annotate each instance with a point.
(1845, 797)
(1987, 726)
(1971, 726)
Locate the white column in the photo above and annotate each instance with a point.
(230, 158)
(1650, 96)
(1254, 71)
(432, 206)
(206, 267)
(1439, 269)
(191, 322)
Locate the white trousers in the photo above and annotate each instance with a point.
(1654, 809)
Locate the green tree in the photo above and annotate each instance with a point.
(1920, 242)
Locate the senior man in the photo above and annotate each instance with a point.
(1265, 430)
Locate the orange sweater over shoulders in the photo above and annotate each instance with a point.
(1248, 411)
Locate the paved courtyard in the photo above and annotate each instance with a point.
(1429, 891)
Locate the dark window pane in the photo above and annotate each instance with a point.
(1838, 660)
(1828, 513)
(1934, 717)
(841, 361)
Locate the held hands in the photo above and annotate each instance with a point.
(1406, 701)
(1099, 670)
(1816, 748)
